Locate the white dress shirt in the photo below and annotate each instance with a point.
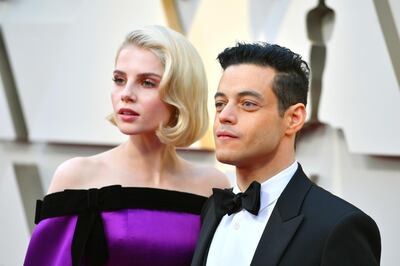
(237, 236)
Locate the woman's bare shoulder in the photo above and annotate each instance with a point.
(74, 173)
(206, 178)
(213, 177)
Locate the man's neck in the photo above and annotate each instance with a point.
(245, 175)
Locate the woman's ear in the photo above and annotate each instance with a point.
(295, 117)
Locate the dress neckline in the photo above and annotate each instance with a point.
(138, 188)
(114, 198)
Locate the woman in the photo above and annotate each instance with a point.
(151, 217)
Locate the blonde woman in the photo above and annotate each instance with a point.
(139, 203)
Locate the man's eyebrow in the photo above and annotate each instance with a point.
(219, 94)
(251, 93)
(242, 94)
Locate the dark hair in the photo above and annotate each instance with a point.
(291, 81)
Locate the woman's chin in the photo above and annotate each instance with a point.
(126, 130)
(129, 131)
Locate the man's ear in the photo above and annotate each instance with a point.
(295, 117)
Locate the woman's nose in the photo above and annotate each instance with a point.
(128, 94)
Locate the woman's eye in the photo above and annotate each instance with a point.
(118, 80)
(148, 84)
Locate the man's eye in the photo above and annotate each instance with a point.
(249, 105)
(148, 84)
(219, 106)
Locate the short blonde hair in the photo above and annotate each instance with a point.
(183, 85)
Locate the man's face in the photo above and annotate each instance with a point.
(247, 127)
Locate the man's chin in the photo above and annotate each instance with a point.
(226, 158)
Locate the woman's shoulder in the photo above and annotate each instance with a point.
(213, 177)
(206, 178)
(76, 172)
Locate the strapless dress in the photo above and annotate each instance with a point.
(115, 225)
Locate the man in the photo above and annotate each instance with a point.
(287, 220)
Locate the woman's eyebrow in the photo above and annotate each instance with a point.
(149, 74)
(116, 71)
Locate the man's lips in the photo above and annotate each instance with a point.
(225, 134)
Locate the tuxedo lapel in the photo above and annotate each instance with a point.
(276, 237)
(284, 221)
(210, 224)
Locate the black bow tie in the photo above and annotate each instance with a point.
(227, 202)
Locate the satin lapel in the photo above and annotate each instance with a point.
(276, 237)
(210, 224)
(284, 221)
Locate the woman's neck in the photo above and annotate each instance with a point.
(150, 157)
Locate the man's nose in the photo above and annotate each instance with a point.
(228, 115)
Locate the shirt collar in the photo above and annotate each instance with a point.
(272, 188)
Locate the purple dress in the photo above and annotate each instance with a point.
(115, 225)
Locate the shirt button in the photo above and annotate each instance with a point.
(236, 226)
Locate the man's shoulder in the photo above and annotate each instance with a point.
(325, 206)
(315, 199)
(338, 223)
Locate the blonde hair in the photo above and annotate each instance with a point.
(183, 84)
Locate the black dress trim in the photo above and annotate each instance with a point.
(116, 197)
(89, 242)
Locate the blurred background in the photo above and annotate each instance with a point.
(56, 63)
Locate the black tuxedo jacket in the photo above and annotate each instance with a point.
(308, 226)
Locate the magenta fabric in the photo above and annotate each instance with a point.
(134, 237)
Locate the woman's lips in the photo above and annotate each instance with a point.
(127, 114)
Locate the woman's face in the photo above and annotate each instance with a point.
(138, 108)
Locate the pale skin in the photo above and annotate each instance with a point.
(249, 132)
(142, 161)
